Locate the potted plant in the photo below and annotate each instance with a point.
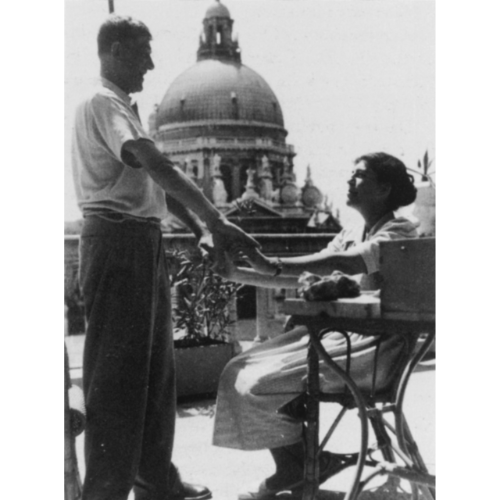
(202, 322)
(425, 204)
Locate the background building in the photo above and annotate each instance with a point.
(223, 124)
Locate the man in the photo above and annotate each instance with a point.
(122, 181)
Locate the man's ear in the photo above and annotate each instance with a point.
(116, 49)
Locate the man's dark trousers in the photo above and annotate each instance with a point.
(128, 366)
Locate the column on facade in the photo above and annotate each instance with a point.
(265, 312)
(235, 181)
(205, 181)
(233, 327)
(189, 169)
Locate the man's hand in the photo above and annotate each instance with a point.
(229, 237)
(223, 264)
(206, 244)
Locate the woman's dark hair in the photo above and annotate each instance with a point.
(392, 171)
(119, 29)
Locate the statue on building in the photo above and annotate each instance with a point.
(327, 205)
(289, 194)
(215, 165)
(250, 187)
(219, 193)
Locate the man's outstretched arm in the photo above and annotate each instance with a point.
(189, 218)
(178, 186)
(192, 221)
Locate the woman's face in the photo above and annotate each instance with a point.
(364, 188)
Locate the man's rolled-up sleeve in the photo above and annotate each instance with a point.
(116, 124)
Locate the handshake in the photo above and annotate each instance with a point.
(228, 245)
(224, 260)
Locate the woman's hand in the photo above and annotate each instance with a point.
(223, 264)
(261, 263)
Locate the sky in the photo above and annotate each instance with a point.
(352, 76)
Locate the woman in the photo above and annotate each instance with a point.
(256, 385)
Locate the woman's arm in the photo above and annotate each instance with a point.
(251, 277)
(348, 262)
(225, 267)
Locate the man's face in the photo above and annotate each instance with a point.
(136, 61)
(364, 188)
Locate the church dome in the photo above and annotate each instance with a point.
(217, 10)
(215, 90)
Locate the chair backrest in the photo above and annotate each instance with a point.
(408, 273)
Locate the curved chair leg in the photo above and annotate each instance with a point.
(311, 483)
(403, 434)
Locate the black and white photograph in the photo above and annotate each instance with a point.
(249, 249)
(250, 266)
(250, 288)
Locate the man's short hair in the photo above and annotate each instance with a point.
(119, 29)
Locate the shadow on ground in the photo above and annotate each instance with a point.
(382, 492)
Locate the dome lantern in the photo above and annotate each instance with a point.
(217, 40)
(217, 10)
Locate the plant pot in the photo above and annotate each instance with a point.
(199, 368)
(425, 208)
